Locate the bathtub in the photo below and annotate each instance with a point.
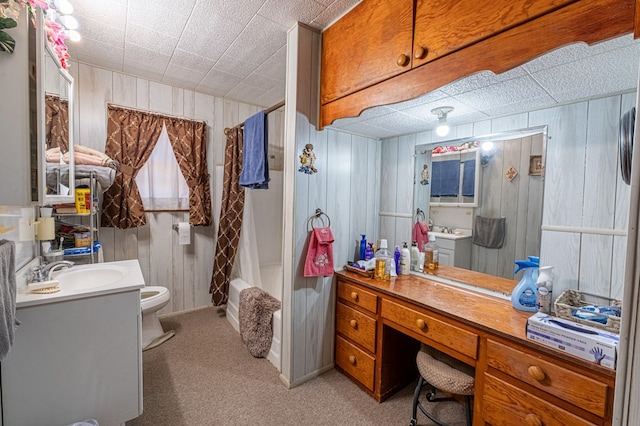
(272, 275)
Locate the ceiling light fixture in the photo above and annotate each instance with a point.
(441, 112)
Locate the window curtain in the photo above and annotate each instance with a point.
(56, 123)
(189, 141)
(231, 213)
(131, 137)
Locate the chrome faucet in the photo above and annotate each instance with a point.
(43, 272)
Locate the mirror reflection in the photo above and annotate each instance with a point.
(483, 198)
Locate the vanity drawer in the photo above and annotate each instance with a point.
(442, 332)
(358, 296)
(356, 326)
(507, 405)
(355, 362)
(545, 374)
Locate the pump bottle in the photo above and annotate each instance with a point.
(524, 295)
(544, 286)
(384, 262)
(405, 260)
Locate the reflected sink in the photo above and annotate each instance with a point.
(85, 277)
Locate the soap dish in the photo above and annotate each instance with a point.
(44, 287)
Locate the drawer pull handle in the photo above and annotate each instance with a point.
(403, 60)
(533, 420)
(353, 323)
(420, 53)
(421, 324)
(352, 359)
(536, 372)
(354, 296)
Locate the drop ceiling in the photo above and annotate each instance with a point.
(236, 50)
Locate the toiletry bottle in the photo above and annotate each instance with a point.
(431, 256)
(405, 259)
(544, 286)
(363, 247)
(396, 258)
(368, 253)
(384, 262)
(524, 295)
(415, 254)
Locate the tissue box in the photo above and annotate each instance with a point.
(580, 340)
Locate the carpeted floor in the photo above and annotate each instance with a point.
(205, 376)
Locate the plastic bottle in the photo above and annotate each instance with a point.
(524, 295)
(384, 262)
(396, 258)
(405, 260)
(363, 247)
(544, 285)
(368, 252)
(431, 256)
(415, 254)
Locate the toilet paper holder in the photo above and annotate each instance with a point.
(175, 226)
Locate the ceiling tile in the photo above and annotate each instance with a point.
(228, 64)
(218, 82)
(207, 23)
(276, 66)
(504, 93)
(169, 20)
(197, 45)
(259, 81)
(238, 11)
(106, 12)
(101, 32)
(156, 63)
(423, 112)
(428, 98)
(367, 114)
(97, 54)
(244, 93)
(368, 130)
(186, 78)
(287, 12)
(190, 61)
(148, 39)
(480, 80)
(334, 11)
(259, 40)
(271, 97)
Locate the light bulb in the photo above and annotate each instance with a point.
(64, 7)
(487, 146)
(442, 129)
(69, 22)
(73, 35)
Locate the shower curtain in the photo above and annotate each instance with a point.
(231, 212)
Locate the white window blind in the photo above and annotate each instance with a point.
(160, 181)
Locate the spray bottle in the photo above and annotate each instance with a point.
(544, 287)
(524, 295)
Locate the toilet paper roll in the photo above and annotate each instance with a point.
(45, 229)
(184, 233)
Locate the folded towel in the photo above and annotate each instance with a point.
(445, 178)
(420, 235)
(255, 164)
(469, 178)
(319, 261)
(8, 322)
(489, 232)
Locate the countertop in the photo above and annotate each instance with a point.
(131, 279)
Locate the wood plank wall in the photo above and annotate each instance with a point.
(585, 200)
(184, 270)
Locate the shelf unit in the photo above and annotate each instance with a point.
(93, 219)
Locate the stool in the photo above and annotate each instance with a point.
(441, 371)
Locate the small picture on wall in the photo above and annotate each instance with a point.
(535, 165)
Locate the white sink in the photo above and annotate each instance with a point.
(89, 276)
(458, 235)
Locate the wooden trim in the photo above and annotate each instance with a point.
(589, 21)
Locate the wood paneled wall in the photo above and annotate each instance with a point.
(184, 270)
(586, 202)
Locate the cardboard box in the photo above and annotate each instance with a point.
(83, 200)
(589, 343)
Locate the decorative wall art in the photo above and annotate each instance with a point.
(511, 173)
(535, 165)
(307, 159)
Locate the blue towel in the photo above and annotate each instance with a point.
(445, 178)
(255, 165)
(469, 178)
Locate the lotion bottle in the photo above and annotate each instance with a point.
(415, 255)
(524, 295)
(544, 286)
(405, 260)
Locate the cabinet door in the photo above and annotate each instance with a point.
(444, 26)
(446, 257)
(369, 44)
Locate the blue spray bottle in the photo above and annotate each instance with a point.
(363, 247)
(524, 295)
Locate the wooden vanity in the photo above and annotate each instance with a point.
(379, 327)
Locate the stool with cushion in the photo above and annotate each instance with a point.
(441, 371)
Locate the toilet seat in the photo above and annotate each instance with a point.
(153, 297)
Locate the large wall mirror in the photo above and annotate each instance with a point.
(54, 98)
(493, 176)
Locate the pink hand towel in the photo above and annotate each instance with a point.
(420, 235)
(319, 262)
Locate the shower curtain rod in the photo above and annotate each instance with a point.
(266, 111)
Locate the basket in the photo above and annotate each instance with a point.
(368, 274)
(570, 300)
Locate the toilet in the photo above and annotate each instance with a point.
(152, 299)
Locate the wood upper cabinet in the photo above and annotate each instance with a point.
(444, 26)
(369, 44)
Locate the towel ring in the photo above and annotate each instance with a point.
(418, 214)
(318, 216)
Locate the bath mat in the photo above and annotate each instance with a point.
(255, 314)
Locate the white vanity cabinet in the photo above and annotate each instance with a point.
(454, 250)
(75, 360)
